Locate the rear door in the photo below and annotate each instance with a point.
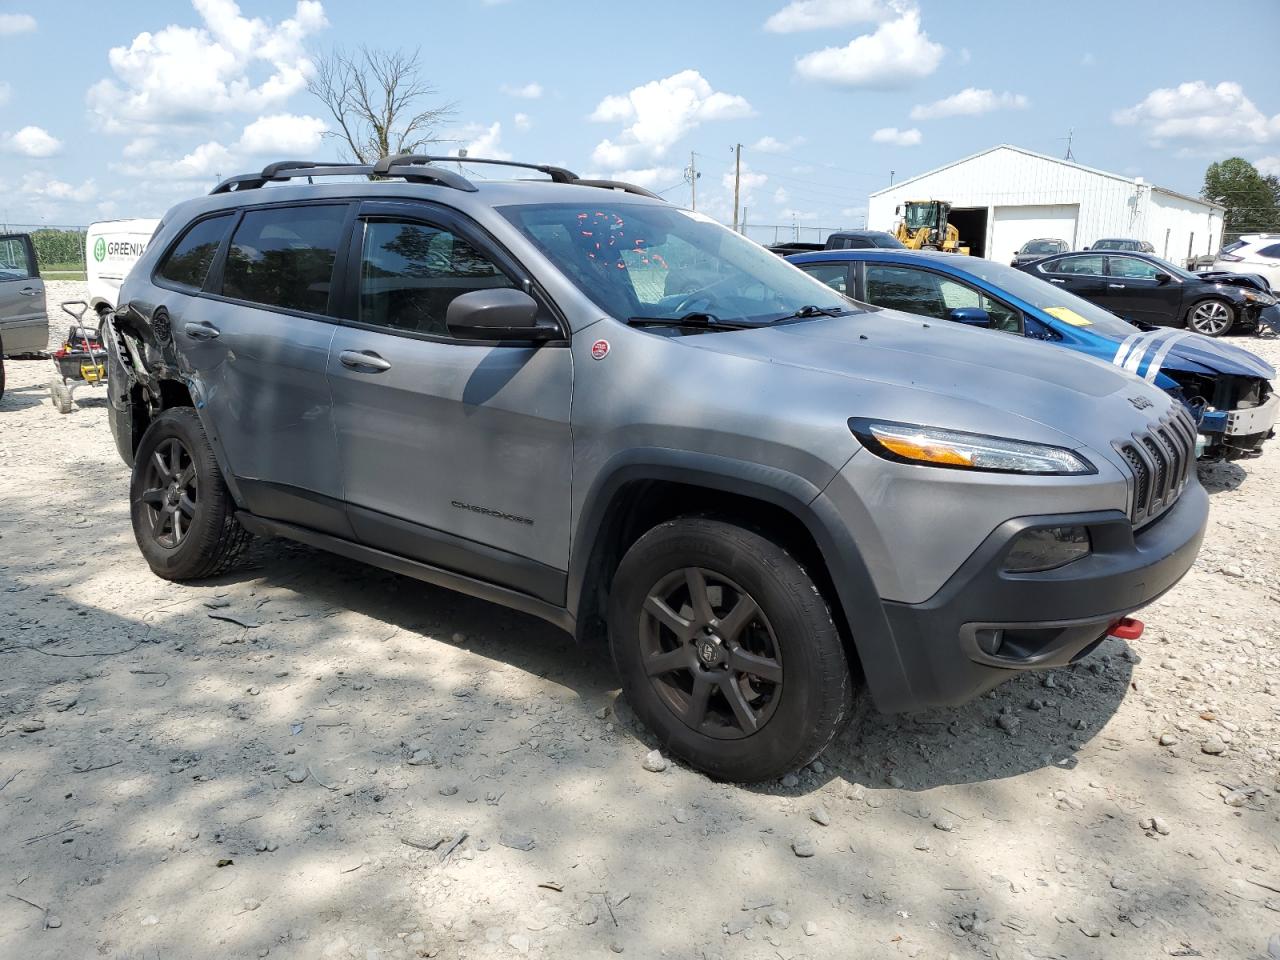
(455, 453)
(1084, 274)
(1134, 293)
(24, 324)
(248, 296)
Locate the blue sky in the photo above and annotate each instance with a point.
(112, 109)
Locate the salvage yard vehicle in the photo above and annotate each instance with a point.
(1035, 249)
(24, 323)
(575, 399)
(1252, 253)
(111, 248)
(1122, 243)
(1147, 290)
(1226, 390)
(924, 226)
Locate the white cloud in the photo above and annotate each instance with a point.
(282, 134)
(33, 184)
(801, 15)
(774, 145)
(968, 103)
(522, 121)
(899, 138)
(748, 182)
(898, 53)
(530, 91)
(185, 75)
(1268, 166)
(661, 112)
(33, 142)
(780, 196)
(11, 23)
(204, 161)
(1198, 113)
(482, 141)
(138, 147)
(649, 177)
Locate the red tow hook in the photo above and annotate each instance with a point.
(1127, 628)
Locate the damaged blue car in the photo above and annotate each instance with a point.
(1227, 389)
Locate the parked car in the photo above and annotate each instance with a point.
(1035, 249)
(1226, 390)
(620, 416)
(1121, 243)
(863, 240)
(111, 248)
(1255, 253)
(1147, 290)
(24, 320)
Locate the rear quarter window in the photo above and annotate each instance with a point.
(187, 264)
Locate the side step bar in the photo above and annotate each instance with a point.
(480, 589)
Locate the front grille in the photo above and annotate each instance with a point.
(1160, 460)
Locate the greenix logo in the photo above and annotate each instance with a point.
(100, 250)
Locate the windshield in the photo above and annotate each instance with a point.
(920, 215)
(640, 260)
(1052, 299)
(1043, 247)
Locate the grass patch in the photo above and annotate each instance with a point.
(61, 272)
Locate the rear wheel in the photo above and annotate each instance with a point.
(727, 650)
(1211, 317)
(61, 395)
(183, 516)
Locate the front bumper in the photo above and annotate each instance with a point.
(985, 623)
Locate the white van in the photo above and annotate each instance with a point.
(111, 248)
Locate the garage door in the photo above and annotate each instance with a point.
(1014, 226)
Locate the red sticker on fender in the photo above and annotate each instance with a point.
(600, 349)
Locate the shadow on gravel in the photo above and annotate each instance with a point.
(1221, 476)
(18, 398)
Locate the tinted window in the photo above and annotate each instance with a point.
(1086, 266)
(283, 257)
(834, 275)
(888, 241)
(188, 262)
(411, 272)
(15, 263)
(931, 295)
(1132, 268)
(1271, 251)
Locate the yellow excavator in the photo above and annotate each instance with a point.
(924, 227)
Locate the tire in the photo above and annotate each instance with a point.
(120, 421)
(183, 516)
(1, 376)
(788, 635)
(61, 396)
(1212, 317)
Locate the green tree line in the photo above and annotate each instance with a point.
(1252, 200)
(58, 246)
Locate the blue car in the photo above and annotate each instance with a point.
(1227, 389)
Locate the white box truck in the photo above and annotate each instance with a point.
(111, 248)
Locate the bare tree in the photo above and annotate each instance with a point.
(381, 105)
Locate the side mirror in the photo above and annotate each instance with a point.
(498, 314)
(970, 316)
(1163, 278)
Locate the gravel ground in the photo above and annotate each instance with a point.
(368, 767)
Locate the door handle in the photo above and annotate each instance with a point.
(202, 331)
(28, 291)
(365, 360)
(1116, 286)
(1053, 280)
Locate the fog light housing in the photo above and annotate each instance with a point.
(1047, 548)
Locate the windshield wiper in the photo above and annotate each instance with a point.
(810, 310)
(698, 320)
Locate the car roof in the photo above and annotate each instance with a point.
(932, 257)
(861, 233)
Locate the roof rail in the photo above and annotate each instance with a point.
(415, 168)
(557, 174)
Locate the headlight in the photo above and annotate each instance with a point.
(1046, 548)
(1253, 296)
(936, 447)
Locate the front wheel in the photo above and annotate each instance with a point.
(727, 650)
(183, 516)
(1212, 317)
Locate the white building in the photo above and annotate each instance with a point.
(1005, 196)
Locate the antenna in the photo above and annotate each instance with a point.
(1069, 137)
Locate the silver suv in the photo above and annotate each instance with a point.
(24, 322)
(577, 400)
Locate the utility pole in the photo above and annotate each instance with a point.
(691, 174)
(737, 179)
(891, 178)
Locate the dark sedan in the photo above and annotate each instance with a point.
(1037, 249)
(1123, 243)
(1153, 292)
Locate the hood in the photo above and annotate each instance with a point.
(1220, 277)
(1166, 349)
(955, 376)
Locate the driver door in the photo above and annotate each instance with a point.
(455, 453)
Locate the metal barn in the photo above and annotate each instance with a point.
(1005, 196)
